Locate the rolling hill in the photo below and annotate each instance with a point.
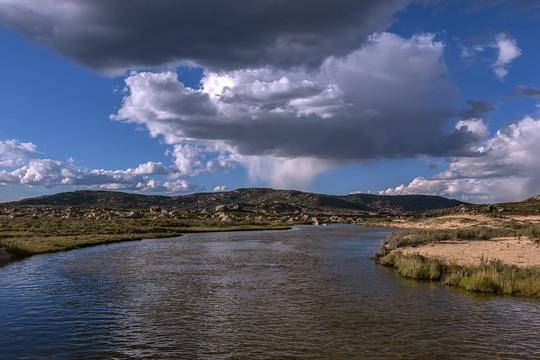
(250, 199)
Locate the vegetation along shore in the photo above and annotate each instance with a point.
(482, 248)
(23, 237)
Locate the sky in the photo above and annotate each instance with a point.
(172, 97)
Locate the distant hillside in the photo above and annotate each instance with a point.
(251, 199)
(530, 206)
(108, 199)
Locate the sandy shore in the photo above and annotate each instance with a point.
(521, 252)
(455, 221)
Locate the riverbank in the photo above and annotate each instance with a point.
(21, 237)
(467, 239)
(490, 276)
(479, 253)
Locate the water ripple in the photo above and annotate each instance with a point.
(307, 293)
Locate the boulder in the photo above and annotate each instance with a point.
(226, 216)
(133, 215)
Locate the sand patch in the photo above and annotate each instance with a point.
(459, 221)
(512, 251)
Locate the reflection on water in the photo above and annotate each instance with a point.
(310, 292)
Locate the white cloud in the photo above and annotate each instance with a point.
(50, 173)
(507, 51)
(172, 187)
(41, 172)
(187, 160)
(150, 168)
(500, 72)
(191, 159)
(220, 188)
(386, 99)
(14, 153)
(149, 186)
(470, 52)
(506, 169)
(180, 187)
(506, 48)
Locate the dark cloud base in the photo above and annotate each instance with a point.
(118, 35)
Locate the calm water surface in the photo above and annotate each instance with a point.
(310, 292)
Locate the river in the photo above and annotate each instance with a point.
(306, 293)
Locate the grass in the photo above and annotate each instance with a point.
(24, 237)
(489, 277)
(414, 266)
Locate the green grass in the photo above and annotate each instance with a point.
(24, 237)
(414, 267)
(489, 277)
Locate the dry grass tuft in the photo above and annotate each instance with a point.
(489, 277)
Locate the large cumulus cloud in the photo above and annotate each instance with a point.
(388, 99)
(122, 34)
(380, 101)
(505, 170)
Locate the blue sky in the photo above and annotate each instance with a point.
(395, 97)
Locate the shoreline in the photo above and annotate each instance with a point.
(490, 276)
(7, 257)
(477, 253)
